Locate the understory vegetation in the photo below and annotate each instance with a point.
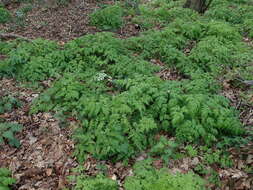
(5, 16)
(5, 179)
(123, 108)
(145, 178)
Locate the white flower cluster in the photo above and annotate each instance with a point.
(101, 76)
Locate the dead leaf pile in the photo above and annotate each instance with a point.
(45, 157)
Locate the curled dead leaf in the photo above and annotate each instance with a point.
(49, 171)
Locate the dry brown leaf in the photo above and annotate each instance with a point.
(49, 171)
(195, 161)
(249, 159)
(62, 182)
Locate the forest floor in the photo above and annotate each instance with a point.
(60, 22)
(45, 158)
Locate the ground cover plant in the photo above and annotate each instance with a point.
(5, 16)
(146, 177)
(108, 18)
(111, 88)
(8, 131)
(5, 179)
(7, 103)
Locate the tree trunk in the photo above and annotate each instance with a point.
(198, 5)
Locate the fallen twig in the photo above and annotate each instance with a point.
(248, 82)
(11, 35)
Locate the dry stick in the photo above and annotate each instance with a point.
(248, 82)
(10, 35)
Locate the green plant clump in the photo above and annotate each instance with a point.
(63, 2)
(109, 18)
(5, 16)
(7, 103)
(5, 180)
(146, 178)
(23, 55)
(110, 85)
(7, 132)
(164, 148)
(99, 182)
(116, 94)
(132, 117)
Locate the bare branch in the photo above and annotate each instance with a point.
(11, 35)
(248, 82)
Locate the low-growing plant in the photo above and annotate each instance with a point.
(109, 85)
(213, 176)
(146, 177)
(202, 118)
(63, 2)
(6, 47)
(161, 13)
(7, 132)
(247, 28)
(26, 8)
(159, 44)
(215, 56)
(109, 18)
(98, 182)
(228, 142)
(134, 4)
(225, 13)
(222, 31)
(200, 169)
(5, 179)
(20, 18)
(191, 151)
(164, 148)
(138, 110)
(145, 23)
(5, 15)
(217, 157)
(7, 103)
(22, 54)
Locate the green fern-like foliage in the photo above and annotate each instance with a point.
(220, 56)
(5, 15)
(110, 85)
(6, 47)
(137, 111)
(116, 96)
(204, 118)
(164, 148)
(146, 178)
(98, 182)
(5, 179)
(162, 12)
(247, 27)
(109, 18)
(7, 103)
(7, 132)
(22, 55)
